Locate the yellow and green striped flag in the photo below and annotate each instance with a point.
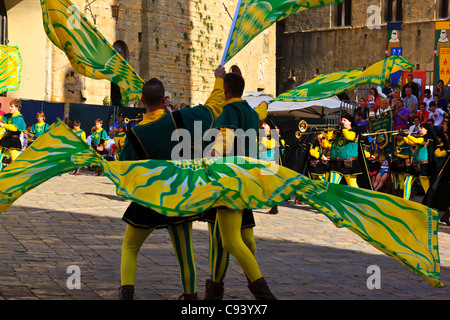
(89, 53)
(254, 16)
(10, 68)
(403, 229)
(332, 84)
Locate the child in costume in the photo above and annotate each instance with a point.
(13, 125)
(40, 126)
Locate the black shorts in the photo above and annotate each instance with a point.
(11, 142)
(248, 220)
(339, 166)
(142, 217)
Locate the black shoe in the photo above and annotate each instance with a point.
(261, 290)
(445, 217)
(214, 290)
(274, 210)
(185, 296)
(126, 292)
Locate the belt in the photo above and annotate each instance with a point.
(342, 159)
(423, 162)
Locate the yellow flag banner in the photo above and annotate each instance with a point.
(10, 68)
(89, 53)
(403, 229)
(332, 84)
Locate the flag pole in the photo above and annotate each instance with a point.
(227, 46)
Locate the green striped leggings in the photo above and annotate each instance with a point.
(181, 236)
(218, 257)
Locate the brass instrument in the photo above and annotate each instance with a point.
(303, 126)
(394, 132)
(126, 120)
(399, 149)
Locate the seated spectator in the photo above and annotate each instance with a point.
(396, 95)
(427, 97)
(359, 119)
(400, 114)
(437, 115)
(415, 89)
(410, 101)
(422, 113)
(414, 129)
(387, 90)
(440, 90)
(384, 107)
(445, 124)
(374, 99)
(363, 108)
(440, 103)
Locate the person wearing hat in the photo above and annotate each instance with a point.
(424, 164)
(119, 121)
(344, 157)
(317, 164)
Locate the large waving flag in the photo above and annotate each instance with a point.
(332, 84)
(254, 16)
(10, 68)
(89, 53)
(404, 230)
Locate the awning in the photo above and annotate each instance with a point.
(307, 109)
(254, 98)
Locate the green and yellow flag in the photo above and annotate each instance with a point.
(332, 84)
(254, 16)
(10, 68)
(89, 53)
(403, 229)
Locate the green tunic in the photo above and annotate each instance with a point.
(239, 115)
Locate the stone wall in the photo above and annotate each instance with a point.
(310, 44)
(179, 42)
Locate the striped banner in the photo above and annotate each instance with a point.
(404, 230)
(330, 85)
(254, 16)
(89, 53)
(10, 68)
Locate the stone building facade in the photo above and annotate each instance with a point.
(180, 42)
(336, 38)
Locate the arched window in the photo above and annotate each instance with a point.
(116, 96)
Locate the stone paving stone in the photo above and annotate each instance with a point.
(76, 220)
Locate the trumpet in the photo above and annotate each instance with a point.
(394, 132)
(303, 126)
(399, 149)
(126, 120)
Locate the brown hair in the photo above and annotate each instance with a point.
(40, 113)
(17, 103)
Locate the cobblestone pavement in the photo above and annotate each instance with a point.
(76, 221)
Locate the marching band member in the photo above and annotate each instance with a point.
(317, 164)
(399, 165)
(344, 152)
(424, 164)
